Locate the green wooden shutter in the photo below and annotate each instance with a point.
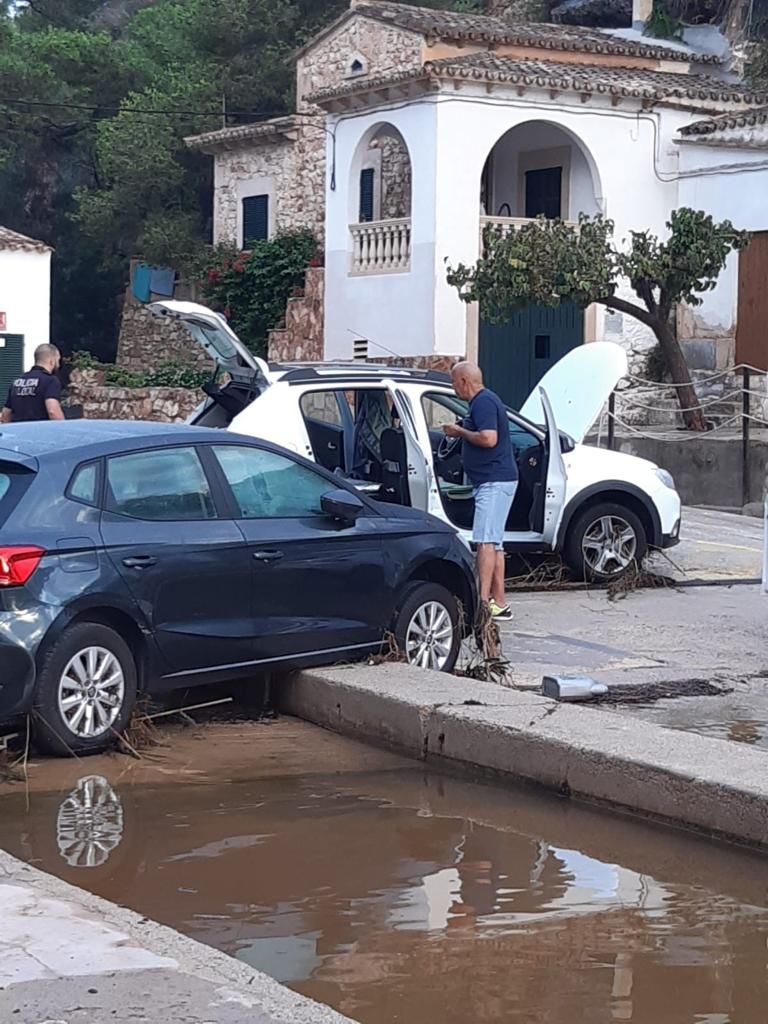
(11, 362)
(543, 192)
(255, 219)
(366, 194)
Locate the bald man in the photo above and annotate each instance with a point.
(36, 395)
(490, 465)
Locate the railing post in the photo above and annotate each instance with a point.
(611, 420)
(745, 431)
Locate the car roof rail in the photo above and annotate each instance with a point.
(294, 373)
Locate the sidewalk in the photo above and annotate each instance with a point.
(68, 957)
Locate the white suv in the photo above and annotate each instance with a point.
(381, 427)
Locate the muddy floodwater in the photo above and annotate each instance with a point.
(400, 895)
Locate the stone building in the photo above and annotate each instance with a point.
(415, 128)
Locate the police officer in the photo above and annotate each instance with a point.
(36, 395)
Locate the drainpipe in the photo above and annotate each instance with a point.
(641, 12)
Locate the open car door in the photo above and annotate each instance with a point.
(419, 471)
(557, 475)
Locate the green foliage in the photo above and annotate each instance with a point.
(662, 24)
(756, 71)
(547, 262)
(166, 375)
(252, 288)
(544, 262)
(688, 263)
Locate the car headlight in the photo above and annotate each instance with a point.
(666, 478)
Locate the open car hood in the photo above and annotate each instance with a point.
(213, 333)
(578, 386)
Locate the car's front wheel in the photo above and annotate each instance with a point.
(427, 628)
(86, 691)
(604, 541)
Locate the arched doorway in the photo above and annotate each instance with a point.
(380, 202)
(535, 169)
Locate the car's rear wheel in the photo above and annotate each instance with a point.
(605, 541)
(427, 628)
(86, 691)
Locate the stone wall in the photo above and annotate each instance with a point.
(378, 47)
(301, 337)
(395, 178)
(292, 171)
(164, 405)
(444, 364)
(146, 342)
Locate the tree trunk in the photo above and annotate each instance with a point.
(693, 416)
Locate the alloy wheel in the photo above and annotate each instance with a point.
(91, 692)
(429, 636)
(90, 823)
(609, 545)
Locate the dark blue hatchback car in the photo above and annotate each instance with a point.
(138, 557)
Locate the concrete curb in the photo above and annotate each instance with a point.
(92, 961)
(709, 785)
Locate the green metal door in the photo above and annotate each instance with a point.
(515, 355)
(11, 362)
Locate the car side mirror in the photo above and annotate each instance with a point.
(342, 505)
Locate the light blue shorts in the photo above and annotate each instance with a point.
(492, 504)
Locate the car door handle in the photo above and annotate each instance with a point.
(267, 556)
(139, 562)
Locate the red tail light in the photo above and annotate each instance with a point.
(17, 564)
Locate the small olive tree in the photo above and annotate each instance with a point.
(547, 262)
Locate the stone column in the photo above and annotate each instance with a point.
(641, 12)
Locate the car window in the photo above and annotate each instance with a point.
(163, 485)
(321, 407)
(271, 486)
(84, 484)
(13, 483)
(438, 413)
(440, 409)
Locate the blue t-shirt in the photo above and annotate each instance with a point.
(489, 465)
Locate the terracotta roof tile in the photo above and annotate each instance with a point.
(487, 29)
(14, 241)
(267, 130)
(488, 67)
(743, 119)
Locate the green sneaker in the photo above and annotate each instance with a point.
(500, 614)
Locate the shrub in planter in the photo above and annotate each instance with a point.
(252, 288)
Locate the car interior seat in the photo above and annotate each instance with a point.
(394, 470)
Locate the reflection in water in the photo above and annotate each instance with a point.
(89, 824)
(403, 896)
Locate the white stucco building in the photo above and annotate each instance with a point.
(427, 125)
(25, 302)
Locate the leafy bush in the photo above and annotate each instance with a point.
(251, 288)
(166, 375)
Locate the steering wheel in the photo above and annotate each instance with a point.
(448, 447)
